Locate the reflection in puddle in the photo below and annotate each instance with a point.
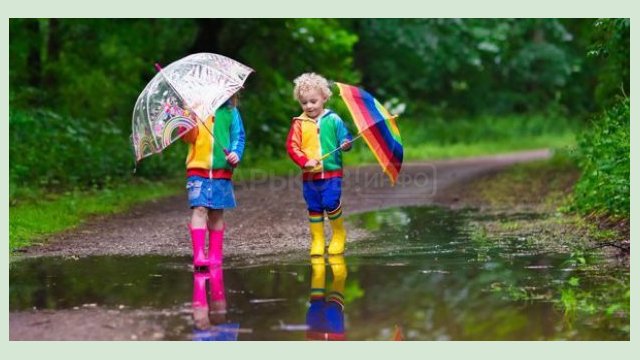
(422, 276)
(210, 312)
(325, 316)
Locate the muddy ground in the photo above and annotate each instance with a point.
(271, 216)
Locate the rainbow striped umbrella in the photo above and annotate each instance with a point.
(377, 126)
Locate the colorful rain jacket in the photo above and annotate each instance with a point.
(207, 159)
(311, 139)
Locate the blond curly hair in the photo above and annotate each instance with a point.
(310, 81)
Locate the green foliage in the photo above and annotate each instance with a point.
(45, 147)
(90, 68)
(73, 84)
(604, 150)
(610, 48)
(54, 152)
(470, 65)
(90, 73)
(295, 46)
(601, 293)
(603, 156)
(80, 79)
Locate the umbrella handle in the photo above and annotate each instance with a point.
(227, 152)
(338, 148)
(329, 153)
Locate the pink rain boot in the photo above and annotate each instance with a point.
(199, 303)
(200, 289)
(197, 241)
(216, 238)
(218, 299)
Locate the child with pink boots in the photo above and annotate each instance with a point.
(210, 164)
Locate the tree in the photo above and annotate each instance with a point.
(467, 65)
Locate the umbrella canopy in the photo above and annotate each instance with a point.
(180, 95)
(377, 126)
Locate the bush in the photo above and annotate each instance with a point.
(603, 156)
(59, 153)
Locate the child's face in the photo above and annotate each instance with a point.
(312, 102)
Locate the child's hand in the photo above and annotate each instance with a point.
(346, 145)
(232, 158)
(311, 163)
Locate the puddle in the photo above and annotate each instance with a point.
(423, 276)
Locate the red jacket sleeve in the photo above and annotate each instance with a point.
(294, 144)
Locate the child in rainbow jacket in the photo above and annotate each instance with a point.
(313, 134)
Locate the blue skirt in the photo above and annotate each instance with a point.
(210, 193)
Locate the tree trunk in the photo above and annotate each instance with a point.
(34, 62)
(53, 43)
(207, 39)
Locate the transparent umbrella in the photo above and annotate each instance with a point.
(181, 95)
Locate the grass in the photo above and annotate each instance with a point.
(541, 186)
(438, 138)
(432, 151)
(32, 220)
(544, 188)
(595, 288)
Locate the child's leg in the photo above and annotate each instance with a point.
(312, 195)
(332, 204)
(198, 230)
(199, 217)
(216, 236)
(335, 299)
(215, 219)
(315, 317)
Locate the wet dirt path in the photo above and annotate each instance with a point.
(271, 216)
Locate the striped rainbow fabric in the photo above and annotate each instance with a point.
(377, 126)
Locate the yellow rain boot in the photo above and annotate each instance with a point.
(336, 246)
(316, 225)
(318, 278)
(339, 271)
